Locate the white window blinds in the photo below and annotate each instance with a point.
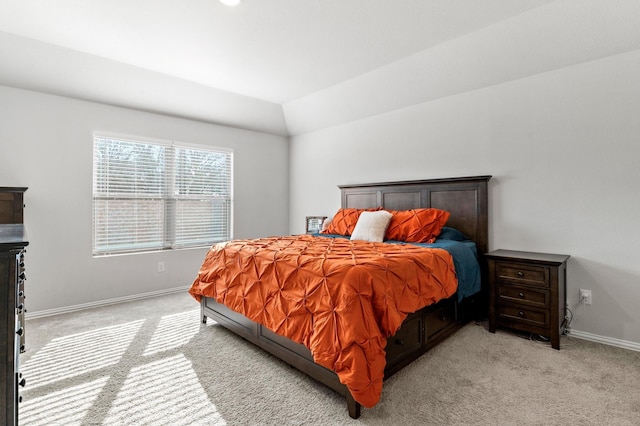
(157, 195)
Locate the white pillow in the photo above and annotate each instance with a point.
(371, 226)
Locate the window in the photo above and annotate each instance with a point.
(159, 195)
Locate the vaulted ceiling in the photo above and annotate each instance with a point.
(257, 66)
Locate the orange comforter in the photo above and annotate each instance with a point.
(339, 298)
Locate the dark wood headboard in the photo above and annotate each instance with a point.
(466, 198)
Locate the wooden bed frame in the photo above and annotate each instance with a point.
(467, 200)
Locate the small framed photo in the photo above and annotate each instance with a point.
(314, 224)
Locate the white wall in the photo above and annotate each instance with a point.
(46, 144)
(563, 149)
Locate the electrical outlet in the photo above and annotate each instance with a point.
(161, 267)
(585, 296)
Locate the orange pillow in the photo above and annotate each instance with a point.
(417, 225)
(344, 221)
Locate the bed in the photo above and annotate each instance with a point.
(403, 336)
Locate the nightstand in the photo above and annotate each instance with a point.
(527, 292)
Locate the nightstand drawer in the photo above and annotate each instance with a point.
(518, 314)
(523, 274)
(522, 294)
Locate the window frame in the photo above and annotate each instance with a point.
(169, 197)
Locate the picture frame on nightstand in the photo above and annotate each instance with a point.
(314, 224)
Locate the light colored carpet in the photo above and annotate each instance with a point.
(154, 363)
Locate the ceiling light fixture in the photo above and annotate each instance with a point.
(230, 2)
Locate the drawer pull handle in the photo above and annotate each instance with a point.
(521, 314)
(521, 294)
(399, 342)
(520, 274)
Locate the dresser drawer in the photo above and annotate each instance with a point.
(531, 296)
(508, 314)
(20, 304)
(523, 274)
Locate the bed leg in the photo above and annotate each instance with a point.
(202, 315)
(353, 406)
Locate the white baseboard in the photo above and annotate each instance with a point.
(624, 344)
(75, 308)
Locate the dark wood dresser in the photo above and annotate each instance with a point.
(527, 292)
(13, 240)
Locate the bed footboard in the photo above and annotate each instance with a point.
(420, 332)
(292, 353)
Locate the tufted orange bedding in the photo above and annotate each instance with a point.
(339, 298)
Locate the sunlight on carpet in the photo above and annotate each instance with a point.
(174, 331)
(66, 406)
(149, 385)
(163, 391)
(78, 354)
